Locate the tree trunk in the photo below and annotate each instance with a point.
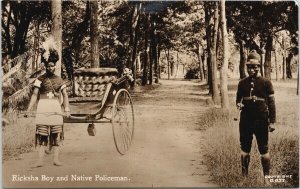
(57, 31)
(200, 63)
(298, 80)
(209, 45)
(133, 36)
(138, 62)
(151, 56)
(135, 39)
(172, 66)
(268, 57)
(79, 32)
(224, 68)
(35, 47)
(276, 66)
(20, 36)
(177, 64)
(261, 61)
(284, 59)
(37, 51)
(288, 66)
(24, 36)
(215, 91)
(133, 59)
(158, 63)
(155, 55)
(203, 59)
(7, 33)
(243, 60)
(168, 60)
(94, 35)
(146, 52)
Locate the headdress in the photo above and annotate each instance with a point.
(50, 51)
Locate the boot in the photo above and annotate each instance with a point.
(245, 160)
(41, 154)
(265, 162)
(56, 154)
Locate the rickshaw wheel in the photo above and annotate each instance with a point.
(122, 121)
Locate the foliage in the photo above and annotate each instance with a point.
(16, 92)
(180, 27)
(250, 21)
(192, 73)
(16, 19)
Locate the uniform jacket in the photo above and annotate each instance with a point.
(257, 96)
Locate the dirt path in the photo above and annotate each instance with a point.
(166, 150)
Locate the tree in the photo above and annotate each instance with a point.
(75, 29)
(208, 7)
(224, 67)
(16, 19)
(155, 55)
(243, 59)
(191, 25)
(284, 17)
(57, 31)
(134, 39)
(146, 51)
(258, 22)
(94, 35)
(241, 23)
(213, 50)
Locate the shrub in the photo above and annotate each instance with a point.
(192, 73)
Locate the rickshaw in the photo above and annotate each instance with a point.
(100, 95)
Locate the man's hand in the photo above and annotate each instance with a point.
(271, 127)
(239, 106)
(67, 114)
(27, 114)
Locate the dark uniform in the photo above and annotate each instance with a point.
(255, 97)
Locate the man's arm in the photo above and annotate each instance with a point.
(271, 102)
(239, 97)
(33, 99)
(66, 101)
(272, 108)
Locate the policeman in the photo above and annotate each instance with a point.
(255, 98)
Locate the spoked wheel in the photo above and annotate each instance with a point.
(122, 121)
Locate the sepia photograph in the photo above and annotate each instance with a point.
(150, 94)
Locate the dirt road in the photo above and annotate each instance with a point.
(166, 150)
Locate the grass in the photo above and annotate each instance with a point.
(18, 136)
(223, 150)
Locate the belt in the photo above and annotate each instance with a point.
(48, 96)
(254, 98)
